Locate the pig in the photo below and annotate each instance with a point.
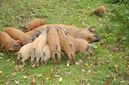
(8, 42)
(54, 43)
(67, 46)
(33, 24)
(24, 53)
(86, 33)
(46, 55)
(99, 11)
(37, 47)
(37, 31)
(81, 45)
(18, 35)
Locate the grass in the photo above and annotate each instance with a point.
(102, 67)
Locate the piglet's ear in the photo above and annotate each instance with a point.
(19, 42)
(47, 28)
(90, 28)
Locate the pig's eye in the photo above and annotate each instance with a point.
(43, 54)
(15, 46)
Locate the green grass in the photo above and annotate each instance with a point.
(103, 65)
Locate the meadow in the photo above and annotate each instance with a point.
(108, 63)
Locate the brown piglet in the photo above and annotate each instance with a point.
(8, 43)
(18, 35)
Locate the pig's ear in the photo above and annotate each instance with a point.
(19, 42)
(48, 28)
(24, 29)
(91, 29)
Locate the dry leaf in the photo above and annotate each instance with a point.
(115, 49)
(77, 63)
(100, 24)
(16, 82)
(7, 82)
(1, 72)
(89, 71)
(39, 75)
(68, 63)
(60, 79)
(86, 65)
(80, 61)
(116, 68)
(100, 19)
(33, 82)
(122, 81)
(8, 60)
(56, 75)
(14, 74)
(105, 83)
(94, 63)
(25, 77)
(83, 70)
(48, 77)
(88, 83)
(13, 62)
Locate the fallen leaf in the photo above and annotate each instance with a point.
(56, 76)
(116, 25)
(8, 60)
(1, 72)
(100, 19)
(100, 24)
(115, 49)
(14, 74)
(105, 83)
(88, 83)
(13, 62)
(106, 16)
(33, 82)
(122, 81)
(39, 75)
(34, 65)
(25, 77)
(80, 61)
(83, 70)
(89, 7)
(16, 82)
(77, 63)
(7, 82)
(86, 65)
(68, 63)
(109, 75)
(48, 77)
(116, 68)
(89, 71)
(94, 63)
(60, 79)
